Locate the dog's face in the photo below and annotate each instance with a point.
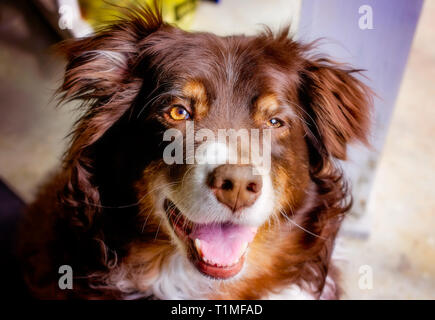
(194, 88)
(212, 206)
(236, 86)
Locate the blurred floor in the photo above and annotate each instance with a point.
(401, 248)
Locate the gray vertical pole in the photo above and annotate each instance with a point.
(374, 35)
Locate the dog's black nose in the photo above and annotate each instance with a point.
(235, 185)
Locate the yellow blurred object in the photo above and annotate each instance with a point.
(102, 12)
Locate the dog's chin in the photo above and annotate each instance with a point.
(216, 250)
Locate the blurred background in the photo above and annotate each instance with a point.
(386, 249)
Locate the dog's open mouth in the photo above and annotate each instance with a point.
(217, 250)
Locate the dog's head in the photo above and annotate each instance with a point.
(164, 105)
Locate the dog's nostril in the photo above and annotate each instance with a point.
(227, 185)
(253, 187)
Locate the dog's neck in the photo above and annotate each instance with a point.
(178, 279)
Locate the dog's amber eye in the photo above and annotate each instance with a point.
(274, 123)
(179, 113)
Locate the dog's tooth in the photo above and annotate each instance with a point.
(243, 247)
(198, 246)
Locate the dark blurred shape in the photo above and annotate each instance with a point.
(11, 207)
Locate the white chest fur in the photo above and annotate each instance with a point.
(180, 280)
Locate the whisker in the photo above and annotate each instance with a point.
(300, 227)
(158, 228)
(131, 204)
(185, 174)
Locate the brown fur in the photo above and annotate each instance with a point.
(96, 212)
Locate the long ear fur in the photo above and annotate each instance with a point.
(338, 106)
(100, 73)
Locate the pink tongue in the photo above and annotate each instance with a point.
(222, 243)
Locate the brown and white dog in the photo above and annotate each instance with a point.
(131, 225)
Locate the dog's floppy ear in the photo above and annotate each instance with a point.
(100, 73)
(337, 106)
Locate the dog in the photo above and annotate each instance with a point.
(131, 224)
